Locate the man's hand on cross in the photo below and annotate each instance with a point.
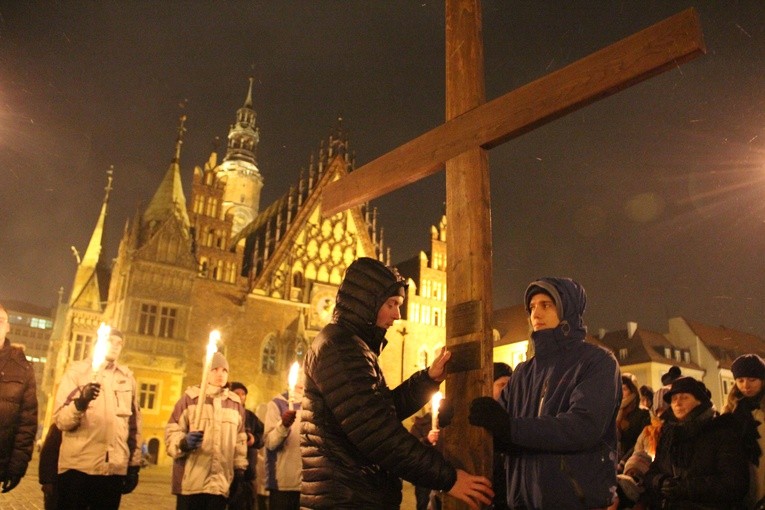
(437, 370)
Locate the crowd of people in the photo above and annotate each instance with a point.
(570, 430)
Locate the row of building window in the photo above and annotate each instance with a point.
(207, 206)
(29, 333)
(439, 261)
(433, 290)
(425, 314)
(212, 238)
(32, 322)
(220, 270)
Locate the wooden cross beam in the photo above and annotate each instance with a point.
(640, 56)
(471, 127)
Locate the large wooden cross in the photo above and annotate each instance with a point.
(473, 126)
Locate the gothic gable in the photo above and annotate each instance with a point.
(168, 243)
(290, 245)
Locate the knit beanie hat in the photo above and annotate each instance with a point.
(688, 385)
(748, 365)
(219, 360)
(502, 370)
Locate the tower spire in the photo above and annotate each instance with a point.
(179, 140)
(241, 195)
(169, 199)
(86, 290)
(243, 136)
(248, 101)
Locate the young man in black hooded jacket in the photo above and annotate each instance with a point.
(354, 447)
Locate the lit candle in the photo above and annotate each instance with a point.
(435, 403)
(212, 348)
(292, 382)
(100, 349)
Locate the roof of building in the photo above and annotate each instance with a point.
(727, 344)
(27, 308)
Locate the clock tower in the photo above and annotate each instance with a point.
(239, 170)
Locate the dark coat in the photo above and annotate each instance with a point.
(563, 404)
(253, 425)
(48, 467)
(708, 457)
(636, 419)
(18, 411)
(354, 447)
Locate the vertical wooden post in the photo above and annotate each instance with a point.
(468, 241)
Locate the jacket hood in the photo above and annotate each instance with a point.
(570, 300)
(368, 283)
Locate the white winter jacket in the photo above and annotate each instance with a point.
(284, 465)
(106, 437)
(210, 468)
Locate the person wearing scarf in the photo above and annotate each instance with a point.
(630, 420)
(700, 460)
(746, 401)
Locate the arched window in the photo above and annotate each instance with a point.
(269, 357)
(297, 279)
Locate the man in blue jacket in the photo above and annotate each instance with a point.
(556, 419)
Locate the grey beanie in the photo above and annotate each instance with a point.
(219, 360)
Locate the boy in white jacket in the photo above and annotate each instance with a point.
(282, 440)
(207, 460)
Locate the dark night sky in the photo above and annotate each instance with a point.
(653, 198)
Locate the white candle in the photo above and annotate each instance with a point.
(212, 348)
(292, 382)
(100, 348)
(435, 403)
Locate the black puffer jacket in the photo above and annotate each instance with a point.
(353, 444)
(18, 411)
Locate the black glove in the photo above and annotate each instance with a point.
(192, 441)
(487, 413)
(445, 413)
(239, 475)
(130, 480)
(9, 482)
(673, 489)
(89, 392)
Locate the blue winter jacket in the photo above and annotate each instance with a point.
(563, 404)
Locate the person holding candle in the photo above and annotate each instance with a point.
(99, 417)
(209, 457)
(423, 429)
(355, 449)
(282, 437)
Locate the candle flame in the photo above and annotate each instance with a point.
(292, 379)
(102, 346)
(435, 402)
(212, 345)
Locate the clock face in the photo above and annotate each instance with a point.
(242, 218)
